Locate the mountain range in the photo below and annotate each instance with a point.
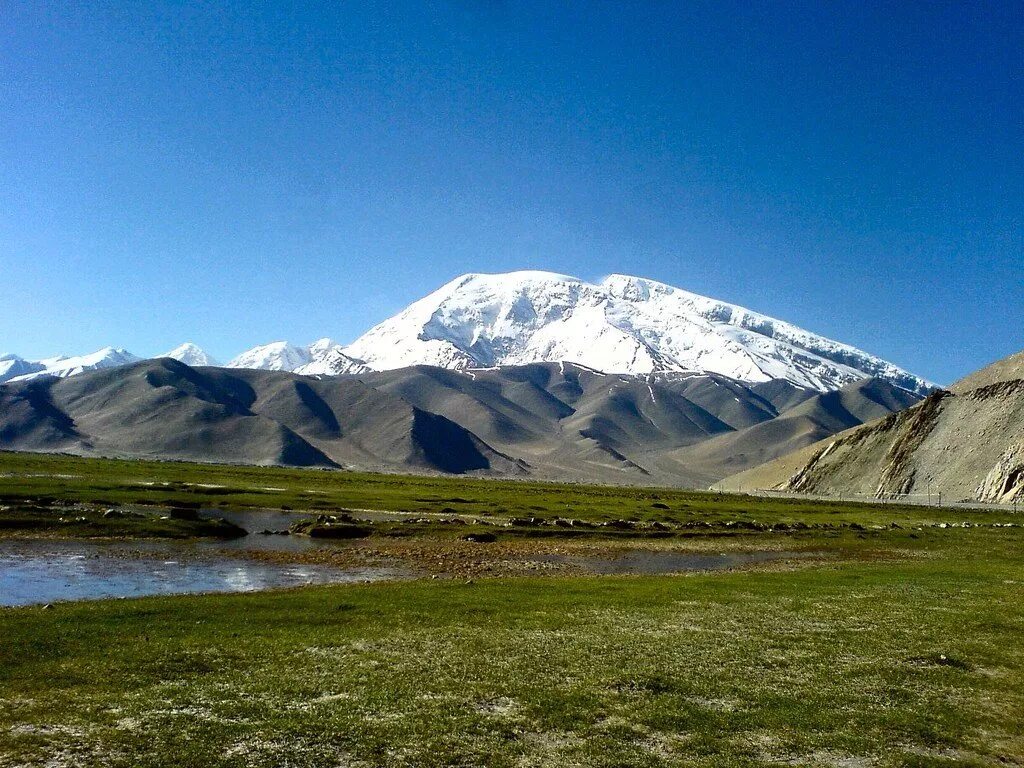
(524, 373)
(621, 325)
(558, 421)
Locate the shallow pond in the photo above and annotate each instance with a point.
(34, 571)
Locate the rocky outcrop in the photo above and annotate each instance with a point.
(897, 477)
(1005, 483)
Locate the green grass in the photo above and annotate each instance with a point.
(912, 657)
(902, 647)
(104, 481)
(84, 522)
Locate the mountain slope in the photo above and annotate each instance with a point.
(819, 417)
(966, 443)
(166, 409)
(621, 325)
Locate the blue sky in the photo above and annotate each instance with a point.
(234, 175)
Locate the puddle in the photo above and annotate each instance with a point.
(34, 571)
(647, 562)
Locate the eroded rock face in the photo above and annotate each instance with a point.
(897, 476)
(1006, 480)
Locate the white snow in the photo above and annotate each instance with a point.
(190, 354)
(276, 356)
(62, 367)
(327, 359)
(13, 365)
(623, 324)
(322, 357)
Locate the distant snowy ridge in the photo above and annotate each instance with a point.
(14, 368)
(323, 357)
(623, 324)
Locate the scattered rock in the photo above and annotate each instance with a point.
(480, 538)
(331, 527)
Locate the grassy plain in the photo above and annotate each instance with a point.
(25, 476)
(903, 648)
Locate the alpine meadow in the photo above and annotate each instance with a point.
(511, 385)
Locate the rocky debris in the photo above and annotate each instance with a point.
(619, 525)
(525, 521)
(218, 526)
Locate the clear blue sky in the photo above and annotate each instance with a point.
(234, 175)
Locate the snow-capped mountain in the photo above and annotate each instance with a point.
(621, 325)
(13, 365)
(326, 358)
(276, 356)
(190, 354)
(62, 367)
(322, 357)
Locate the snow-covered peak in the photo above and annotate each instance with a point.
(322, 347)
(190, 354)
(623, 324)
(327, 358)
(276, 356)
(14, 365)
(62, 367)
(322, 357)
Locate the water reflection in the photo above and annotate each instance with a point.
(40, 571)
